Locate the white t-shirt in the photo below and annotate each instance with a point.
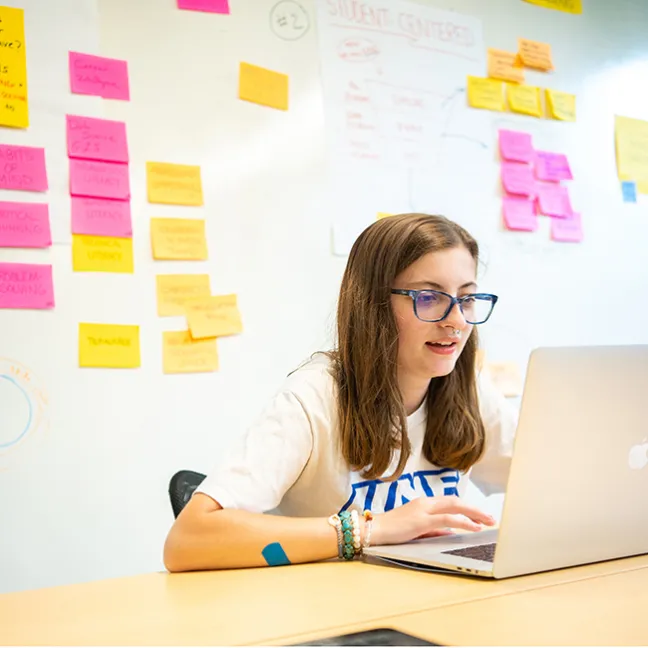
(290, 459)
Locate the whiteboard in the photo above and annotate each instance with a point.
(83, 492)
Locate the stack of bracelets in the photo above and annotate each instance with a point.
(347, 526)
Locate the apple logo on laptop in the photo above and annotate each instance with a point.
(638, 456)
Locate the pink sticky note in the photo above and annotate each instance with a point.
(99, 76)
(24, 225)
(553, 200)
(210, 6)
(98, 217)
(519, 214)
(99, 180)
(22, 168)
(515, 146)
(518, 178)
(26, 285)
(569, 230)
(96, 139)
(552, 167)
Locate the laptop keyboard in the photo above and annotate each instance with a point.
(485, 552)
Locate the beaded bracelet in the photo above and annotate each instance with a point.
(335, 522)
(368, 516)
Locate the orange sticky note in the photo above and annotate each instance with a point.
(262, 86)
(182, 354)
(524, 99)
(504, 66)
(180, 239)
(173, 291)
(173, 184)
(534, 54)
(214, 316)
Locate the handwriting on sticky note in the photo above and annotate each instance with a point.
(561, 105)
(519, 214)
(507, 377)
(568, 6)
(99, 217)
(173, 292)
(552, 167)
(524, 99)
(174, 184)
(26, 285)
(567, 230)
(631, 139)
(182, 354)
(92, 179)
(262, 86)
(535, 55)
(24, 225)
(102, 254)
(14, 108)
(504, 66)
(209, 6)
(178, 239)
(553, 200)
(516, 146)
(214, 316)
(518, 178)
(114, 346)
(22, 168)
(628, 188)
(485, 93)
(98, 76)
(96, 139)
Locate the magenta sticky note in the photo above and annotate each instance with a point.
(99, 179)
(515, 146)
(210, 6)
(26, 285)
(553, 200)
(519, 214)
(24, 225)
(96, 139)
(22, 168)
(569, 230)
(98, 217)
(518, 178)
(98, 76)
(552, 167)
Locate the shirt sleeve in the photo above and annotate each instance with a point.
(490, 473)
(262, 465)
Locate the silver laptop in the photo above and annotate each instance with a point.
(578, 484)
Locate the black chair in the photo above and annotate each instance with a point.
(181, 488)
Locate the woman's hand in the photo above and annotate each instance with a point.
(427, 517)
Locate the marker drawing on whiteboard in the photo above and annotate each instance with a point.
(289, 20)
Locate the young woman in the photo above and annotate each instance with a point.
(374, 441)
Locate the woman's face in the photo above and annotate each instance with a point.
(423, 349)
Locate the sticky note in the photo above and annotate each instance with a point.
(504, 66)
(518, 178)
(628, 188)
(173, 184)
(98, 76)
(99, 179)
(100, 217)
(26, 285)
(209, 6)
(181, 239)
(213, 316)
(485, 93)
(381, 215)
(516, 146)
(23, 168)
(561, 105)
(519, 214)
(174, 290)
(96, 139)
(262, 86)
(24, 225)
(568, 6)
(553, 200)
(102, 254)
(568, 230)
(14, 106)
(507, 377)
(182, 354)
(552, 167)
(535, 55)
(631, 139)
(524, 99)
(114, 346)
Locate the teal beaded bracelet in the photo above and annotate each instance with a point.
(350, 534)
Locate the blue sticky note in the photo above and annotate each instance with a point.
(275, 555)
(629, 189)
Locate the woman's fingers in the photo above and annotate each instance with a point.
(454, 506)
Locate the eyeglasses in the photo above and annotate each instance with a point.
(435, 306)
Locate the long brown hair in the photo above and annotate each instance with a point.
(372, 418)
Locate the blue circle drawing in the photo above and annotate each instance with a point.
(29, 418)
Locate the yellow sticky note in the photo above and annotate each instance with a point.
(568, 6)
(485, 93)
(174, 290)
(507, 377)
(631, 142)
(101, 254)
(178, 239)
(182, 354)
(561, 105)
(524, 99)
(381, 215)
(261, 86)
(173, 184)
(213, 316)
(109, 345)
(534, 54)
(14, 109)
(504, 66)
